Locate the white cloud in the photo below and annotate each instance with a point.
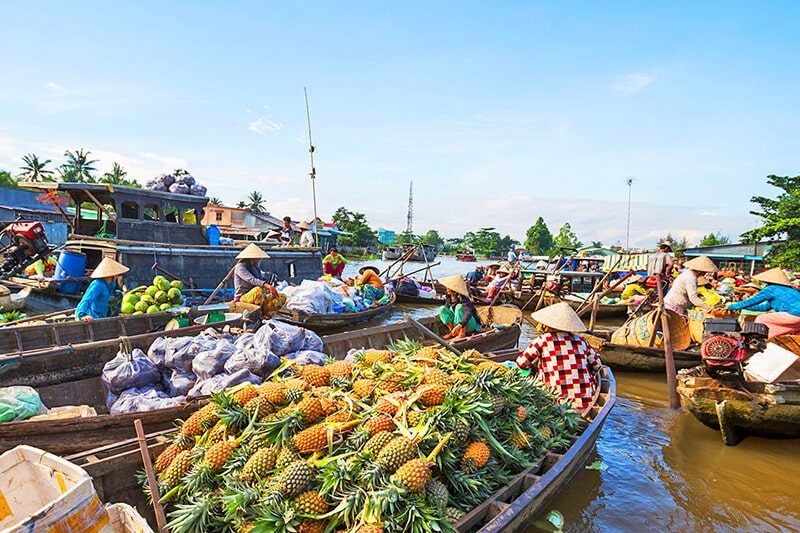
(53, 86)
(168, 162)
(264, 126)
(633, 83)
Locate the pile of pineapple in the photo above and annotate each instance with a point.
(406, 439)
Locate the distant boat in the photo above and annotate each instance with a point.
(468, 257)
(393, 253)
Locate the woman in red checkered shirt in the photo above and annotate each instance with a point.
(562, 358)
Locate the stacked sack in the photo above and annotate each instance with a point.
(175, 369)
(179, 183)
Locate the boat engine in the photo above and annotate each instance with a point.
(28, 243)
(726, 346)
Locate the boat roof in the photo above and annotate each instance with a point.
(107, 188)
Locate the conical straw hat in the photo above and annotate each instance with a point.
(108, 268)
(774, 275)
(273, 233)
(302, 225)
(561, 317)
(252, 252)
(701, 264)
(456, 283)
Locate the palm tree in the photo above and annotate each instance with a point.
(214, 201)
(596, 244)
(78, 167)
(116, 176)
(34, 169)
(255, 202)
(242, 205)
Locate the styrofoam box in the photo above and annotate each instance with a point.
(125, 519)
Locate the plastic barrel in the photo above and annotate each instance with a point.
(70, 265)
(213, 233)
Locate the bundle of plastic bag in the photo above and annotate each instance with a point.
(312, 341)
(126, 371)
(259, 362)
(212, 362)
(279, 338)
(311, 297)
(158, 352)
(244, 342)
(221, 382)
(179, 188)
(20, 403)
(144, 399)
(181, 351)
(307, 357)
(177, 383)
(198, 190)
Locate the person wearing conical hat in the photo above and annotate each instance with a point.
(95, 301)
(683, 292)
(306, 237)
(273, 236)
(632, 288)
(500, 281)
(369, 283)
(777, 296)
(560, 357)
(247, 275)
(458, 312)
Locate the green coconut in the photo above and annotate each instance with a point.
(141, 306)
(130, 298)
(153, 309)
(151, 290)
(127, 308)
(178, 284)
(160, 297)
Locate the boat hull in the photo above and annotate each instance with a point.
(643, 359)
(764, 410)
(327, 323)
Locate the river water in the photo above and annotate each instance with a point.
(665, 470)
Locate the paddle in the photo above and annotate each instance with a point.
(161, 519)
(431, 334)
(219, 287)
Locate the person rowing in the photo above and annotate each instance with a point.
(458, 313)
(95, 303)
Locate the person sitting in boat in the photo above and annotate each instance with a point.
(561, 357)
(475, 276)
(778, 296)
(684, 289)
(706, 291)
(306, 237)
(369, 282)
(287, 233)
(41, 267)
(458, 313)
(632, 288)
(500, 281)
(252, 285)
(490, 272)
(97, 298)
(333, 264)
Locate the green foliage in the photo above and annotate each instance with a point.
(780, 220)
(7, 180)
(78, 168)
(117, 176)
(485, 241)
(566, 238)
(714, 239)
(454, 246)
(34, 169)
(214, 201)
(405, 238)
(677, 245)
(254, 201)
(538, 239)
(356, 224)
(433, 238)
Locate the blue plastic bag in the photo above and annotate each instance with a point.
(20, 403)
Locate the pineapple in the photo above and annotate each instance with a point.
(178, 468)
(260, 464)
(294, 478)
(460, 431)
(259, 407)
(378, 442)
(214, 458)
(378, 423)
(274, 392)
(415, 417)
(519, 440)
(311, 526)
(311, 503)
(363, 388)
(197, 423)
(386, 406)
(432, 395)
(329, 406)
(427, 352)
(317, 376)
(286, 457)
(414, 474)
(371, 357)
(453, 515)
(244, 395)
(311, 439)
(434, 376)
(340, 417)
(166, 457)
(311, 410)
(340, 369)
(475, 457)
(522, 414)
(370, 528)
(398, 451)
(437, 493)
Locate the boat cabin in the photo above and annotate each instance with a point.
(127, 213)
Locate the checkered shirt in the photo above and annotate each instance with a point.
(566, 363)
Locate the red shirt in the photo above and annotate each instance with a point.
(566, 363)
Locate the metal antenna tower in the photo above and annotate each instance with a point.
(410, 217)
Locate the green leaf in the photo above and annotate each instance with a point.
(598, 465)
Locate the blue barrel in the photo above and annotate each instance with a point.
(70, 265)
(213, 233)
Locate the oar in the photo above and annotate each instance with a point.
(431, 334)
(437, 263)
(161, 519)
(219, 287)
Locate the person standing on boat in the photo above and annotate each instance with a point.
(778, 296)
(96, 300)
(458, 313)
(662, 263)
(306, 237)
(561, 358)
(684, 289)
(287, 233)
(333, 263)
(512, 257)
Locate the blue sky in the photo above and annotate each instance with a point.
(499, 112)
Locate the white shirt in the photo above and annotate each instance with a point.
(683, 292)
(306, 239)
(511, 256)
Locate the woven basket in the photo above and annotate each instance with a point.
(790, 342)
(501, 315)
(644, 327)
(696, 325)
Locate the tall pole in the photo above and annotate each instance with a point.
(629, 181)
(313, 172)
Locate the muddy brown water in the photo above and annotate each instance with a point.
(665, 470)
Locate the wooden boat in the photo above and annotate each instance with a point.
(740, 408)
(618, 310)
(467, 258)
(393, 253)
(325, 323)
(512, 508)
(638, 358)
(85, 387)
(13, 301)
(419, 300)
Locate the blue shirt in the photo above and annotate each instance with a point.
(772, 298)
(95, 300)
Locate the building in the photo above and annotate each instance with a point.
(240, 224)
(19, 203)
(739, 256)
